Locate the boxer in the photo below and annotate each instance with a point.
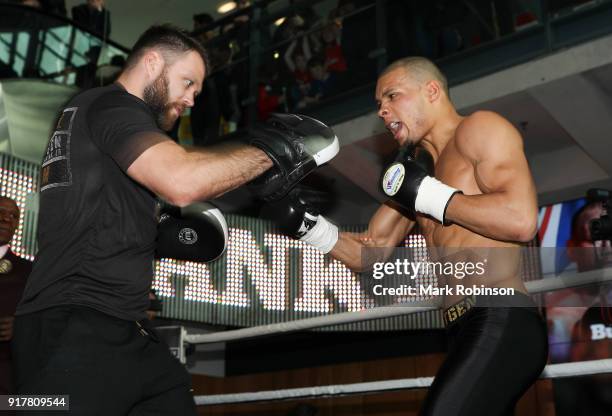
(465, 181)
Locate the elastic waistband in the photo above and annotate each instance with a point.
(460, 308)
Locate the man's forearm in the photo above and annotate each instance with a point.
(348, 251)
(211, 172)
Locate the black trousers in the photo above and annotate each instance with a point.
(495, 354)
(108, 366)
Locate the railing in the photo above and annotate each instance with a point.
(257, 60)
(34, 44)
(310, 56)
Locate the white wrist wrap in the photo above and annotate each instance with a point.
(323, 236)
(432, 197)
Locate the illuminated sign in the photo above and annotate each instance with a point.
(262, 278)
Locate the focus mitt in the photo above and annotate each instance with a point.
(197, 232)
(297, 144)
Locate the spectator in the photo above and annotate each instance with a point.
(201, 21)
(587, 254)
(297, 60)
(357, 41)
(334, 58)
(14, 271)
(216, 110)
(93, 16)
(297, 63)
(269, 99)
(289, 29)
(321, 85)
(86, 74)
(585, 395)
(445, 21)
(238, 30)
(57, 7)
(407, 31)
(567, 306)
(206, 112)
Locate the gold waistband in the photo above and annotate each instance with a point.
(456, 311)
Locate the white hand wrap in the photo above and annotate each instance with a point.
(433, 197)
(323, 236)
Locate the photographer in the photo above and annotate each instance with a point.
(590, 248)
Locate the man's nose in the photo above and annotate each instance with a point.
(382, 111)
(189, 99)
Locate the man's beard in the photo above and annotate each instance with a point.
(155, 95)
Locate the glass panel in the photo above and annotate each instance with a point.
(38, 45)
(5, 44)
(54, 49)
(21, 51)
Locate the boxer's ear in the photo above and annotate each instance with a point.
(433, 90)
(153, 63)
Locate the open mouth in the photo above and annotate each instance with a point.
(394, 127)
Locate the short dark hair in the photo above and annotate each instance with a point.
(203, 19)
(171, 41)
(419, 68)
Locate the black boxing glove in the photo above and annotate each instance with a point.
(197, 232)
(410, 182)
(297, 144)
(297, 219)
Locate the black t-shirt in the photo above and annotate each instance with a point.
(96, 226)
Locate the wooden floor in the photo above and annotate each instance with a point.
(538, 401)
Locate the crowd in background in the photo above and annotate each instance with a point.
(311, 56)
(318, 50)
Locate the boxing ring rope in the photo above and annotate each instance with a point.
(534, 287)
(560, 282)
(581, 368)
(575, 369)
(310, 323)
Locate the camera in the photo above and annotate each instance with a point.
(601, 228)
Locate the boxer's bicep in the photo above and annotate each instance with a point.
(495, 149)
(159, 169)
(505, 171)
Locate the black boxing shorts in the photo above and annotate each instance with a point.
(498, 347)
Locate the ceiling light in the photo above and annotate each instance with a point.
(228, 6)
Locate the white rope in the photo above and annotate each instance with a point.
(551, 371)
(569, 280)
(310, 323)
(536, 286)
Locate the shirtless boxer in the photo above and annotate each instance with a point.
(480, 195)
